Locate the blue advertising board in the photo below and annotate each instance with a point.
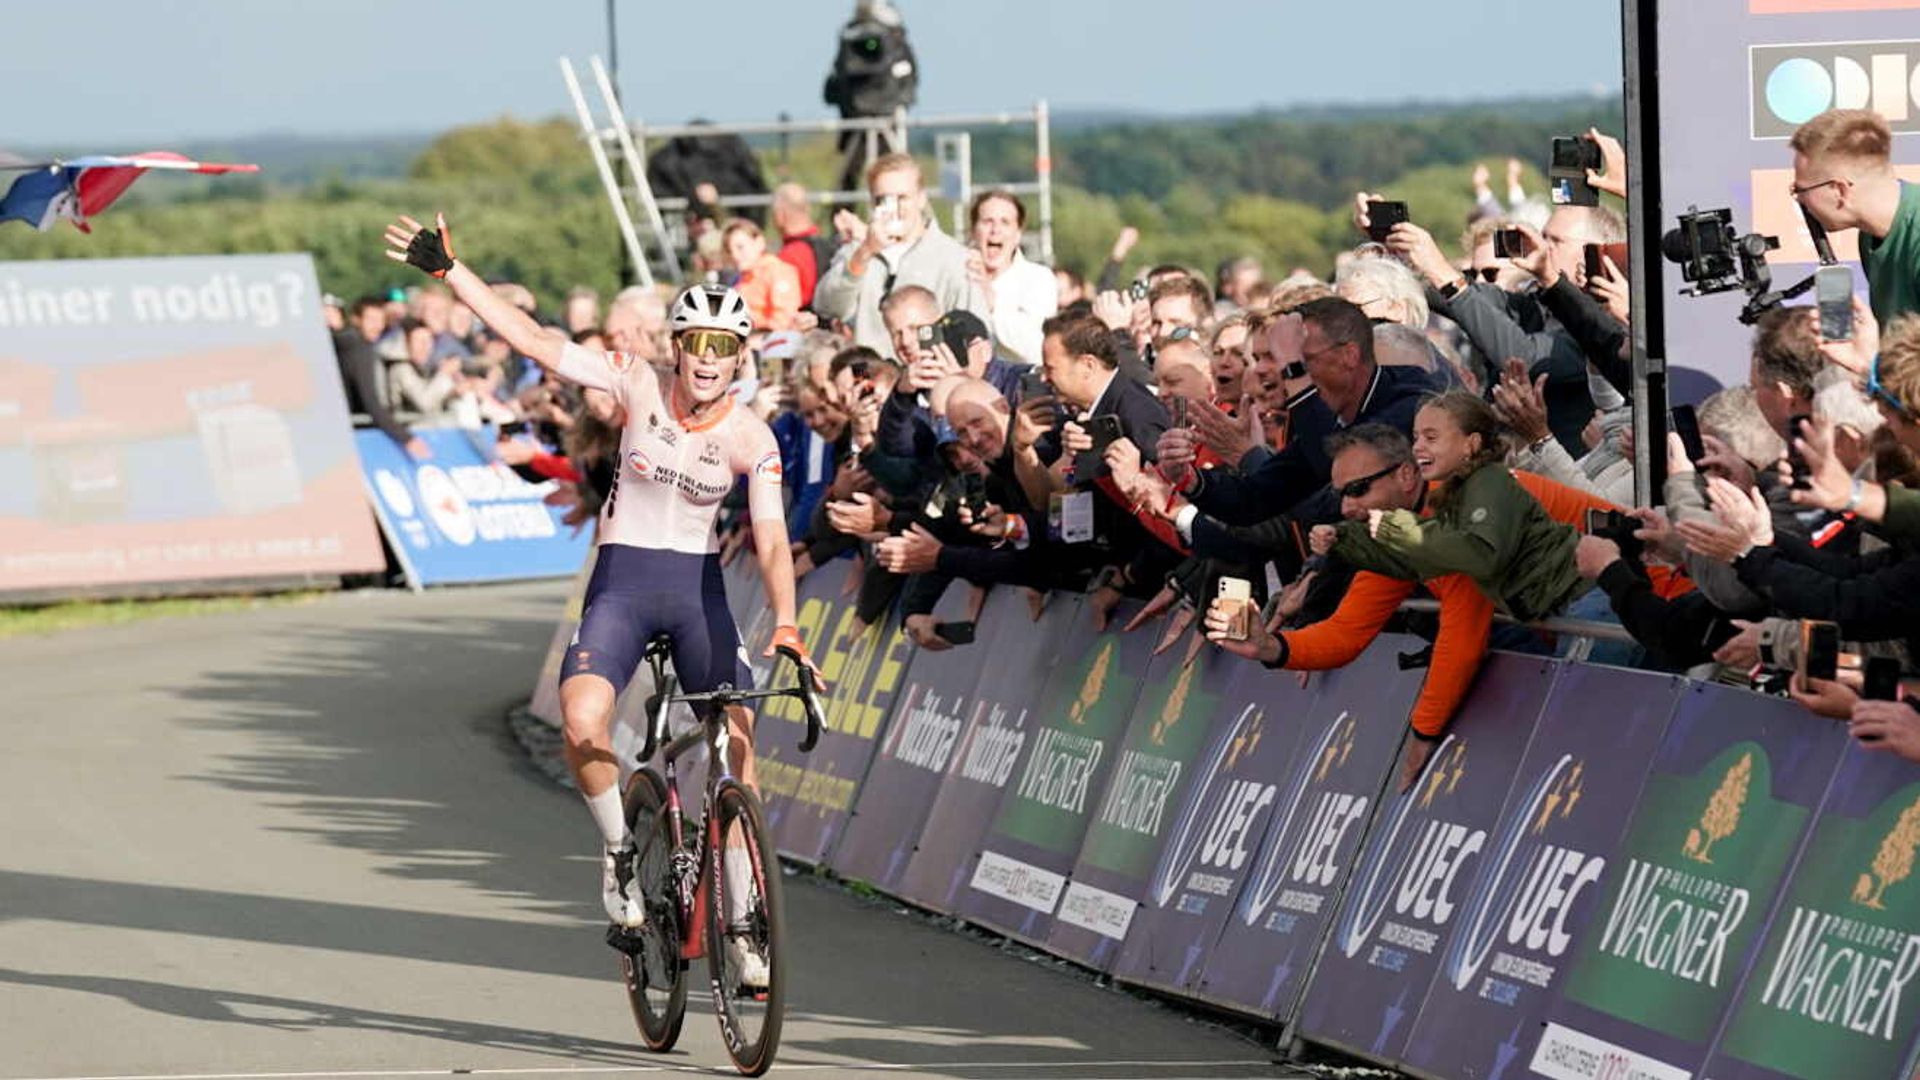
(458, 517)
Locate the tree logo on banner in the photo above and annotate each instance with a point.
(1893, 863)
(1176, 704)
(1722, 817)
(1095, 685)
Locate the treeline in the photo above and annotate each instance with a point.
(528, 206)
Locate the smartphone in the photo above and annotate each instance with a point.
(1819, 649)
(1236, 595)
(1796, 429)
(1294, 371)
(1685, 423)
(960, 633)
(512, 428)
(1509, 244)
(1177, 411)
(973, 494)
(1591, 253)
(1033, 385)
(925, 336)
(1382, 216)
(1833, 289)
(1103, 430)
(1882, 679)
(1571, 157)
(1137, 291)
(886, 217)
(1603, 522)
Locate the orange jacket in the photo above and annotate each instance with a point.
(1466, 616)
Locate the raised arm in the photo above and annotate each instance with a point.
(431, 250)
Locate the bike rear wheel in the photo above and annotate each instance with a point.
(655, 976)
(745, 920)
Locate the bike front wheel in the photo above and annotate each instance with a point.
(655, 975)
(745, 927)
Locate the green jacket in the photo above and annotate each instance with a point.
(1902, 520)
(1493, 531)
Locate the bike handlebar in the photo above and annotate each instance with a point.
(809, 696)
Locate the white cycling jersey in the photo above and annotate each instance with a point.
(674, 472)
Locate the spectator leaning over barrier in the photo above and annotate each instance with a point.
(900, 246)
(1052, 451)
(1843, 176)
(1373, 470)
(421, 383)
(1333, 340)
(1018, 295)
(770, 287)
(1484, 524)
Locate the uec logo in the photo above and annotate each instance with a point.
(1792, 84)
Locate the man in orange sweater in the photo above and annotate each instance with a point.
(1373, 470)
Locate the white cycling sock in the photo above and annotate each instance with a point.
(610, 815)
(739, 883)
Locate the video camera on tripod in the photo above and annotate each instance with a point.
(1716, 258)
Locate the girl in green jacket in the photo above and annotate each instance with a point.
(1484, 525)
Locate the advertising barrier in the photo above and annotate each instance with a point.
(932, 728)
(1014, 662)
(458, 517)
(1404, 899)
(1537, 884)
(810, 797)
(1686, 903)
(172, 421)
(1155, 769)
(1335, 769)
(1599, 873)
(1021, 876)
(1834, 980)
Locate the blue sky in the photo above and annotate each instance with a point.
(150, 71)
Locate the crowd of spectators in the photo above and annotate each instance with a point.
(954, 415)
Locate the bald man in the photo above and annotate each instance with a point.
(1183, 368)
(801, 244)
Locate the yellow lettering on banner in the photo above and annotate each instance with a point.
(778, 777)
(859, 664)
(893, 664)
(837, 667)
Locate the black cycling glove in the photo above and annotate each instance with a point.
(431, 250)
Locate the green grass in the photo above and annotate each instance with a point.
(78, 614)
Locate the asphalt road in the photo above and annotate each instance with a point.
(297, 841)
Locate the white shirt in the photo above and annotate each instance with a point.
(1025, 295)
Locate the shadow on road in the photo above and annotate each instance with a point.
(295, 1016)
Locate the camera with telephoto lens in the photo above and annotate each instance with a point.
(1716, 258)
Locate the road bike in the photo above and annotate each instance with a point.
(694, 906)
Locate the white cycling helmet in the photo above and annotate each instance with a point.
(710, 307)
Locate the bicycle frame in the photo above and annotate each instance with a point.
(690, 865)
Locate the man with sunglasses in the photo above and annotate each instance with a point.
(686, 441)
(1843, 176)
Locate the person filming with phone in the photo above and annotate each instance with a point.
(899, 245)
(1843, 177)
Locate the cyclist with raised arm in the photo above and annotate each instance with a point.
(684, 444)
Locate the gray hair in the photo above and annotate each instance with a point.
(1398, 343)
(1390, 443)
(1388, 279)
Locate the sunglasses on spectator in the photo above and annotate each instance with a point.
(1879, 390)
(1488, 274)
(1356, 489)
(718, 342)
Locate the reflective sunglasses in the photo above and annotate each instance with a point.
(1879, 389)
(1355, 489)
(718, 342)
